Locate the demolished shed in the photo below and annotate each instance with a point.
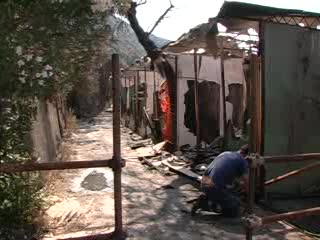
(284, 100)
(200, 66)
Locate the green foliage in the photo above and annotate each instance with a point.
(44, 44)
(44, 48)
(122, 6)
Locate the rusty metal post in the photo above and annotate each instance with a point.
(251, 195)
(48, 166)
(119, 234)
(292, 173)
(291, 215)
(196, 97)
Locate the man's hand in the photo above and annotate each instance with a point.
(245, 183)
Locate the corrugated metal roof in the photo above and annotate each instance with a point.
(241, 9)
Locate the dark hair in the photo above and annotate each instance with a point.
(245, 149)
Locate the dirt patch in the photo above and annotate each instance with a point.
(95, 181)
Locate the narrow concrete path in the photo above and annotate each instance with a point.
(81, 201)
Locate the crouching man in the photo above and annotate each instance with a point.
(223, 171)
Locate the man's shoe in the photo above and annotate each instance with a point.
(201, 203)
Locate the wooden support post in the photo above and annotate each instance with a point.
(145, 102)
(125, 111)
(129, 109)
(251, 195)
(223, 92)
(196, 97)
(136, 102)
(117, 166)
(255, 104)
(292, 173)
(155, 99)
(262, 84)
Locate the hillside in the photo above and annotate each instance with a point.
(125, 42)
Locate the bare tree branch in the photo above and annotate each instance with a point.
(161, 17)
(142, 2)
(143, 37)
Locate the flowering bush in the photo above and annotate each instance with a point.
(44, 47)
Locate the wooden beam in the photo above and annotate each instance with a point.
(292, 173)
(196, 96)
(223, 92)
(29, 167)
(255, 104)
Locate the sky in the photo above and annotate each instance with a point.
(190, 13)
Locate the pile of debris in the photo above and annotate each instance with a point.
(189, 161)
(203, 154)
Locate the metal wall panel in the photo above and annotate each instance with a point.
(292, 101)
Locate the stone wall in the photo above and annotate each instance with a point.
(47, 131)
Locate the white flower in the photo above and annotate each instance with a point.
(28, 57)
(41, 82)
(39, 59)
(44, 74)
(38, 75)
(19, 50)
(22, 79)
(23, 73)
(48, 67)
(20, 63)
(50, 74)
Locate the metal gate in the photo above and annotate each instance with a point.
(116, 163)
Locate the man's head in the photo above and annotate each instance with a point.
(244, 150)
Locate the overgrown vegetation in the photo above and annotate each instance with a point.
(44, 47)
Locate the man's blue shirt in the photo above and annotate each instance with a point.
(226, 167)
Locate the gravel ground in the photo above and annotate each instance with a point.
(155, 206)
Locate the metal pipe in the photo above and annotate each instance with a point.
(251, 196)
(292, 173)
(291, 215)
(196, 97)
(292, 158)
(104, 236)
(46, 166)
(117, 147)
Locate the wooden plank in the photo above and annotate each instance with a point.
(183, 171)
(150, 151)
